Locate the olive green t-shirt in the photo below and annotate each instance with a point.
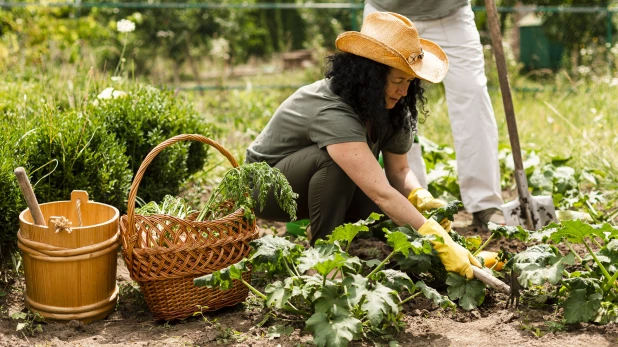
(315, 115)
(419, 9)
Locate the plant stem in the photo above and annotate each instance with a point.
(612, 215)
(593, 212)
(289, 307)
(576, 255)
(252, 289)
(295, 269)
(410, 298)
(287, 268)
(384, 262)
(484, 244)
(124, 45)
(594, 256)
(611, 282)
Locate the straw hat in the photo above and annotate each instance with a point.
(392, 39)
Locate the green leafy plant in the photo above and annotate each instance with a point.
(589, 294)
(29, 322)
(347, 297)
(508, 232)
(240, 183)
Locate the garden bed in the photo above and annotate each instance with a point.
(425, 325)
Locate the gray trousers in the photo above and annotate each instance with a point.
(326, 195)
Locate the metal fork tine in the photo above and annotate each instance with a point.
(515, 294)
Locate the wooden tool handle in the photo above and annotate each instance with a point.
(26, 189)
(491, 281)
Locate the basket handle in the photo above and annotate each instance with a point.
(132, 234)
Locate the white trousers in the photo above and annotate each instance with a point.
(470, 111)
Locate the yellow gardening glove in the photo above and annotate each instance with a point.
(454, 257)
(423, 201)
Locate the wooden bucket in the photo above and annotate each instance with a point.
(71, 275)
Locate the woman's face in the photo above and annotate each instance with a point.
(397, 83)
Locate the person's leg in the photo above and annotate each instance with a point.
(414, 155)
(325, 191)
(471, 114)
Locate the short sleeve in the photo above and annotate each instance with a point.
(336, 124)
(399, 143)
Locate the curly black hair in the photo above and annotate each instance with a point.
(361, 83)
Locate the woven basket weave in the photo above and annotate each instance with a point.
(164, 253)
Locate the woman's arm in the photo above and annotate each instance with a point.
(399, 174)
(356, 159)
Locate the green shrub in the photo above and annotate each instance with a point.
(11, 203)
(143, 119)
(75, 152)
(67, 143)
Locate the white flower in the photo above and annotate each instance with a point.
(110, 93)
(220, 48)
(125, 26)
(106, 94)
(116, 78)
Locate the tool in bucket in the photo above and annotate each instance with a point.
(532, 212)
(61, 223)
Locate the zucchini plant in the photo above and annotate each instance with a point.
(589, 292)
(347, 298)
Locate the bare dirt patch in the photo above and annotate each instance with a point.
(425, 325)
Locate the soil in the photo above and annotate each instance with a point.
(131, 324)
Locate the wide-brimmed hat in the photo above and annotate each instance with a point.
(392, 39)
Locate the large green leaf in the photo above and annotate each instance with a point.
(396, 280)
(355, 287)
(399, 242)
(539, 264)
(448, 211)
(470, 293)
(277, 294)
(270, 252)
(348, 231)
(324, 257)
(575, 231)
(222, 278)
(509, 232)
(581, 307)
(543, 234)
(432, 294)
(335, 329)
(608, 255)
(379, 302)
(376, 302)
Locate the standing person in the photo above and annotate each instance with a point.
(326, 137)
(450, 24)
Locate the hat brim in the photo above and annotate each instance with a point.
(431, 68)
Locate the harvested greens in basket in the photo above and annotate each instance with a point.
(238, 186)
(235, 191)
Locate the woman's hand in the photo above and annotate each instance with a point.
(454, 257)
(424, 202)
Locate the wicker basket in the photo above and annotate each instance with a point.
(165, 253)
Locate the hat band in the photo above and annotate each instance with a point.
(414, 56)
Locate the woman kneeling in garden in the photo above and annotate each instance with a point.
(326, 137)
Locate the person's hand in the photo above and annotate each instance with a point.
(423, 201)
(454, 257)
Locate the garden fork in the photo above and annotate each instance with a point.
(514, 296)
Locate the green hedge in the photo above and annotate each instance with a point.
(91, 144)
(145, 119)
